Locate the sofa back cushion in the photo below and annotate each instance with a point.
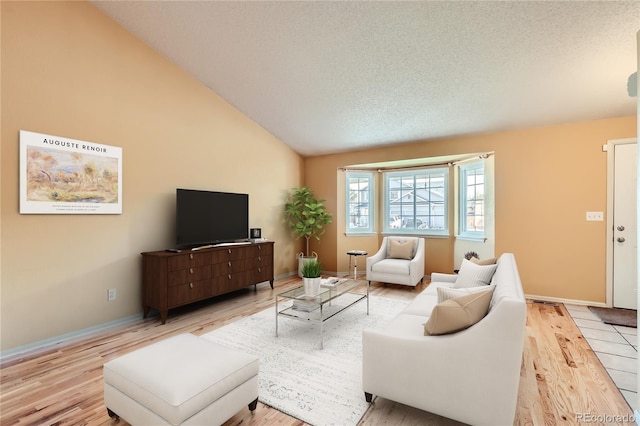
(401, 248)
(472, 275)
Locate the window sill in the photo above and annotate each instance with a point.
(478, 239)
(360, 234)
(409, 234)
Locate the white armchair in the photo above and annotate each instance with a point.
(400, 260)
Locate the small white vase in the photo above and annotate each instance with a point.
(311, 286)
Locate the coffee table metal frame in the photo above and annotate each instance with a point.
(319, 313)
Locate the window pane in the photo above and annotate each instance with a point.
(473, 201)
(415, 201)
(359, 197)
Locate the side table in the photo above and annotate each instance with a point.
(354, 254)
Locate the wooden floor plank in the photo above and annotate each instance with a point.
(560, 376)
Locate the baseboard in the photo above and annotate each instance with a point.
(285, 275)
(566, 301)
(69, 338)
(64, 339)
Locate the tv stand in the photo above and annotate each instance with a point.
(173, 279)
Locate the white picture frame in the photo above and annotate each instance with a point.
(60, 175)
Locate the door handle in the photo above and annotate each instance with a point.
(621, 239)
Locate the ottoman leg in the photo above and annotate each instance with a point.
(112, 414)
(253, 404)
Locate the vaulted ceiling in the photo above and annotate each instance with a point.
(326, 76)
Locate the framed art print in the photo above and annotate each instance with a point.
(59, 175)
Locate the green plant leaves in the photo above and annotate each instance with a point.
(306, 215)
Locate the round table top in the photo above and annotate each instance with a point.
(357, 253)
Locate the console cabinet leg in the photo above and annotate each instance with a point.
(368, 397)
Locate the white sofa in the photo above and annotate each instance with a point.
(472, 375)
(383, 267)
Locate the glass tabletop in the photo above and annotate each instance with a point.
(327, 293)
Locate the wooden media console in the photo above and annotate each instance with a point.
(171, 279)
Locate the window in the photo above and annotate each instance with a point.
(472, 200)
(415, 202)
(360, 205)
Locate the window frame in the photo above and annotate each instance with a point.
(427, 232)
(370, 177)
(464, 170)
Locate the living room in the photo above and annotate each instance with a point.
(71, 71)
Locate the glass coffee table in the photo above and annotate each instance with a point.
(334, 297)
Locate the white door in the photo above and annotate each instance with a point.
(625, 241)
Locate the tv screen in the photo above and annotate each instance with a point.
(208, 217)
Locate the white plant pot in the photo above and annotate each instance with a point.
(302, 259)
(311, 286)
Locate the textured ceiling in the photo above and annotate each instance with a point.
(333, 76)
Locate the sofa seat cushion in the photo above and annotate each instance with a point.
(407, 325)
(391, 266)
(180, 376)
(421, 305)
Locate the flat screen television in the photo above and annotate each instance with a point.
(209, 217)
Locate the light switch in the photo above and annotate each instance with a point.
(595, 216)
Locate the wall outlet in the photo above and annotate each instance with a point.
(595, 216)
(111, 294)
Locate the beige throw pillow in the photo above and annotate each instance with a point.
(472, 275)
(446, 293)
(458, 314)
(491, 261)
(401, 249)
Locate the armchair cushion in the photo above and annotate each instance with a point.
(392, 266)
(399, 249)
(458, 314)
(472, 275)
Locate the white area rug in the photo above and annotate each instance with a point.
(318, 386)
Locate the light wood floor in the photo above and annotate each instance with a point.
(561, 378)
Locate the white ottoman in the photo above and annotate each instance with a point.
(182, 380)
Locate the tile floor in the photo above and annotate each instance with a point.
(615, 346)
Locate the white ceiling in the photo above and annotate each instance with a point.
(333, 76)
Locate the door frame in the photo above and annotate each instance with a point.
(610, 147)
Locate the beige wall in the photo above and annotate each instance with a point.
(546, 179)
(68, 70)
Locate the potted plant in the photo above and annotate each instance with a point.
(470, 254)
(307, 217)
(311, 277)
